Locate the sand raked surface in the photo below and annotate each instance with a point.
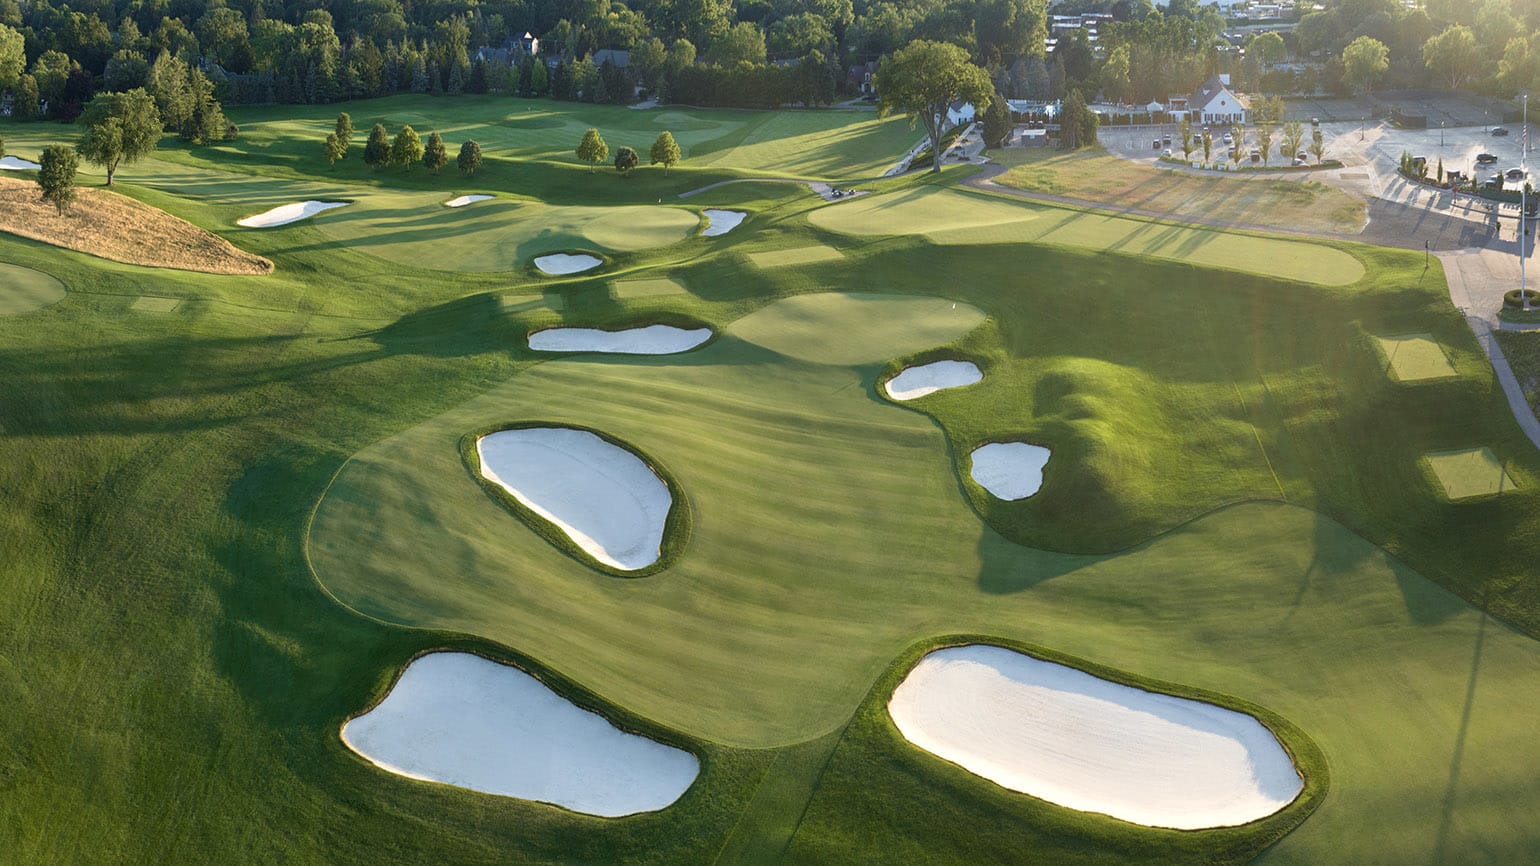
(650, 340)
(722, 222)
(464, 200)
(1086, 743)
(15, 163)
(1009, 470)
(606, 499)
(566, 263)
(913, 382)
(287, 213)
(463, 720)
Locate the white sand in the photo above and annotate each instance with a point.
(912, 382)
(609, 502)
(1090, 744)
(651, 340)
(1009, 470)
(460, 719)
(287, 213)
(722, 222)
(566, 263)
(464, 200)
(12, 163)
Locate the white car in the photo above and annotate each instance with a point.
(1166, 152)
(1229, 139)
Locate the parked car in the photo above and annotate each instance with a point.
(1494, 182)
(1454, 178)
(1499, 130)
(1157, 144)
(1256, 155)
(1166, 141)
(1166, 152)
(1515, 174)
(1302, 155)
(1229, 139)
(1299, 161)
(1419, 162)
(1315, 121)
(1486, 158)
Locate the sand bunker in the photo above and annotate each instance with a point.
(464, 200)
(603, 497)
(567, 263)
(12, 163)
(722, 222)
(462, 720)
(913, 382)
(287, 213)
(1009, 470)
(1091, 744)
(651, 340)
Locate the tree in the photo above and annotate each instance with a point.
(1318, 146)
(406, 150)
(1188, 143)
(1238, 135)
(56, 175)
(335, 149)
(434, 156)
(1078, 123)
(665, 151)
(26, 98)
(207, 121)
(592, 149)
(120, 129)
(1115, 81)
(997, 122)
(469, 159)
(13, 57)
(1452, 55)
(377, 148)
(1265, 141)
(168, 84)
(1267, 49)
(1363, 62)
(922, 79)
(1293, 135)
(742, 43)
(345, 130)
(1208, 146)
(625, 160)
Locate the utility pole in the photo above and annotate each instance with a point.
(1524, 206)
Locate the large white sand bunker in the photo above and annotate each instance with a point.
(913, 382)
(606, 499)
(287, 213)
(460, 719)
(567, 263)
(15, 163)
(1009, 470)
(462, 201)
(651, 340)
(722, 221)
(1091, 744)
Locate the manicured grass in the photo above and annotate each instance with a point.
(24, 290)
(1522, 350)
(647, 288)
(795, 256)
(1414, 358)
(1469, 473)
(961, 217)
(153, 304)
(871, 328)
(1096, 175)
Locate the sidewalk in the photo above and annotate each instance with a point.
(1477, 280)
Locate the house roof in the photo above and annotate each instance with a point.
(621, 59)
(1211, 89)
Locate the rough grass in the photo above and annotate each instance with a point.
(1253, 199)
(103, 223)
(962, 217)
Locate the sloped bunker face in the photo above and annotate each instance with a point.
(463, 200)
(608, 501)
(914, 382)
(722, 221)
(558, 264)
(1065, 736)
(1009, 470)
(649, 340)
(287, 213)
(463, 720)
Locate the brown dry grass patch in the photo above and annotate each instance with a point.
(116, 227)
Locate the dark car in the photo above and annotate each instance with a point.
(1499, 130)
(1494, 182)
(1515, 174)
(1486, 158)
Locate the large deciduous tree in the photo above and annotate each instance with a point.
(13, 57)
(56, 176)
(923, 78)
(665, 151)
(1363, 62)
(120, 129)
(469, 159)
(377, 148)
(592, 148)
(1453, 55)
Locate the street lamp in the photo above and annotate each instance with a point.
(1524, 204)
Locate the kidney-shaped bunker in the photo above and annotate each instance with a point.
(1080, 741)
(1009, 470)
(603, 497)
(462, 720)
(915, 382)
(649, 340)
(567, 263)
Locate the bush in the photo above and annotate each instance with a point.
(1512, 300)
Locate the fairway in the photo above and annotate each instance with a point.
(1414, 358)
(798, 256)
(23, 290)
(1469, 473)
(954, 217)
(649, 288)
(870, 329)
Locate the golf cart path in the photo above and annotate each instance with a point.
(1477, 280)
(824, 190)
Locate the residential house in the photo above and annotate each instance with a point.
(863, 78)
(1215, 103)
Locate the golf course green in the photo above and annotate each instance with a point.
(230, 525)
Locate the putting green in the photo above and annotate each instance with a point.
(23, 290)
(949, 216)
(649, 288)
(154, 304)
(855, 329)
(1415, 357)
(1469, 473)
(808, 255)
(499, 235)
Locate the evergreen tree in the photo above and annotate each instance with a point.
(539, 80)
(419, 76)
(456, 79)
(377, 149)
(56, 176)
(345, 131)
(997, 122)
(469, 159)
(592, 148)
(406, 151)
(335, 149)
(665, 151)
(434, 156)
(625, 160)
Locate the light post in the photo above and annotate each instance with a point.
(1524, 205)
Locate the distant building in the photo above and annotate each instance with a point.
(621, 59)
(1213, 103)
(511, 52)
(529, 44)
(863, 78)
